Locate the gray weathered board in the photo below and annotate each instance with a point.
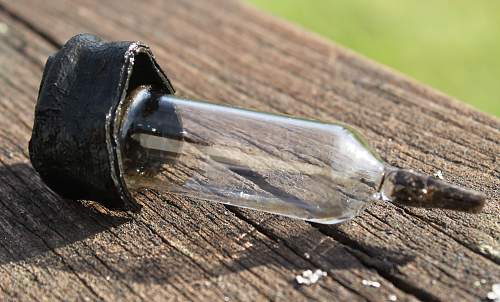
(179, 249)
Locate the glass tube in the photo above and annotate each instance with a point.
(294, 167)
(300, 168)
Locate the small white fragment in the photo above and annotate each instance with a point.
(439, 174)
(309, 277)
(477, 283)
(380, 196)
(488, 249)
(393, 298)
(494, 294)
(371, 283)
(248, 244)
(108, 278)
(226, 298)
(3, 28)
(424, 191)
(307, 256)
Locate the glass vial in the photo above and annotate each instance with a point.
(294, 167)
(320, 172)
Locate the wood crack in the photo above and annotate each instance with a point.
(297, 253)
(60, 257)
(361, 254)
(472, 248)
(226, 251)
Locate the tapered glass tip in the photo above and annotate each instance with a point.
(409, 188)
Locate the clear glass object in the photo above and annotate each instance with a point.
(300, 168)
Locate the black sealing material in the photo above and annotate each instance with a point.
(74, 144)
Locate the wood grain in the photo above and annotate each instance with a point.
(175, 249)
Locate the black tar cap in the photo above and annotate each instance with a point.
(74, 144)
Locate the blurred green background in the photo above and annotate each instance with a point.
(451, 45)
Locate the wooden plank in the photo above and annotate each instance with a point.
(69, 251)
(227, 52)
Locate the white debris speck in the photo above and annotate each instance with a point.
(439, 174)
(226, 298)
(241, 236)
(393, 298)
(477, 283)
(488, 249)
(309, 277)
(307, 256)
(424, 191)
(371, 283)
(108, 278)
(3, 28)
(494, 294)
(381, 196)
(248, 244)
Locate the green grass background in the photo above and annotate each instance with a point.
(452, 45)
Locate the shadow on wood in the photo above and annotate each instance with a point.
(34, 221)
(41, 229)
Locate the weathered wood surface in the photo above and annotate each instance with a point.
(54, 249)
